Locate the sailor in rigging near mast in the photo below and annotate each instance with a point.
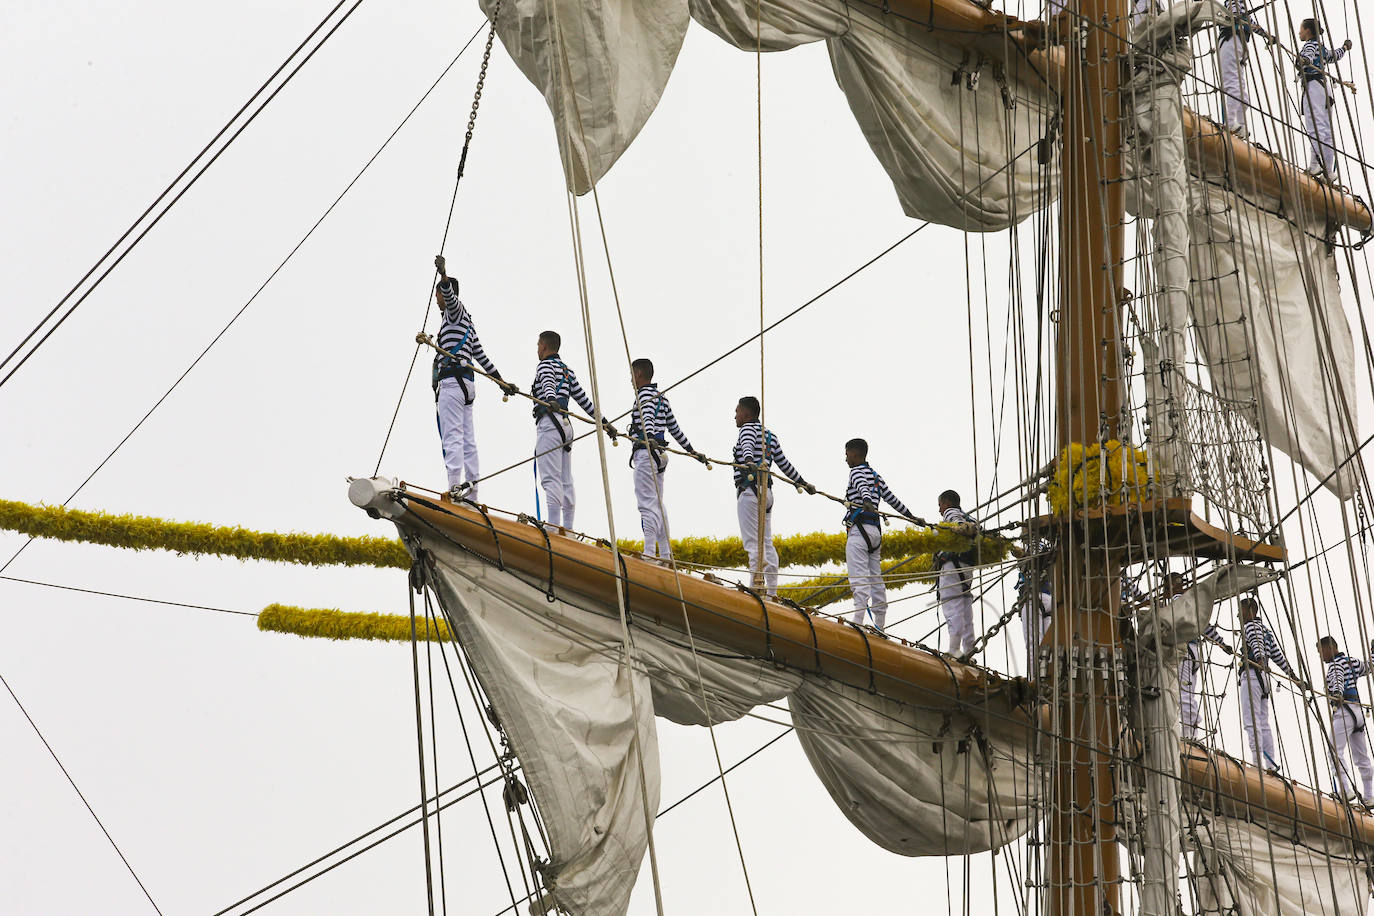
(1233, 41)
(1036, 598)
(454, 387)
(555, 387)
(756, 449)
(956, 583)
(1260, 647)
(1189, 667)
(1316, 101)
(1347, 717)
(863, 549)
(651, 419)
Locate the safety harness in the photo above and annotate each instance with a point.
(447, 364)
(562, 397)
(1350, 697)
(962, 559)
(747, 478)
(655, 442)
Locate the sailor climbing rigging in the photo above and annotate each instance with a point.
(1316, 101)
(1347, 718)
(863, 550)
(1260, 647)
(1233, 52)
(1190, 666)
(956, 581)
(555, 388)
(651, 419)
(758, 448)
(1035, 596)
(454, 390)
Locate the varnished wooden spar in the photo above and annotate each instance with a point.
(743, 623)
(1214, 153)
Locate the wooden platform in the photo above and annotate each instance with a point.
(1156, 528)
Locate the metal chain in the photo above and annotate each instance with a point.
(477, 94)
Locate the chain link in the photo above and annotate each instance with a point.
(477, 94)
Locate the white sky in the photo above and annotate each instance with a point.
(220, 758)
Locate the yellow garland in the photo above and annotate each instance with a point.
(141, 533)
(317, 623)
(821, 547)
(1087, 476)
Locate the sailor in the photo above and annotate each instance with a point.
(555, 387)
(454, 389)
(1260, 647)
(863, 550)
(1036, 598)
(1347, 717)
(750, 449)
(1233, 41)
(1316, 101)
(956, 582)
(650, 420)
(1189, 710)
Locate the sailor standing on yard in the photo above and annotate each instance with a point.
(1189, 667)
(1260, 647)
(1347, 717)
(455, 388)
(1233, 42)
(650, 420)
(863, 550)
(956, 583)
(556, 387)
(758, 448)
(1313, 57)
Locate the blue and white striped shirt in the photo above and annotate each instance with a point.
(457, 333)
(1241, 23)
(867, 488)
(1342, 677)
(1261, 646)
(651, 416)
(554, 383)
(747, 451)
(1313, 57)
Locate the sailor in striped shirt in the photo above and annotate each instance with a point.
(556, 387)
(1189, 667)
(1313, 57)
(749, 450)
(1347, 717)
(1035, 596)
(1260, 648)
(651, 419)
(454, 388)
(863, 551)
(955, 583)
(1233, 43)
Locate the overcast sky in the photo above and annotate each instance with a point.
(220, 758)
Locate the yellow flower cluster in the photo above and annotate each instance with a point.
(141, 533)
(822, 547)
(1103, 472)
(318, 623)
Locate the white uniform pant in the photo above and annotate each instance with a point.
(1189, 710)
(1317, 117)
(747, 506)
(1035, 620)
(866, 573)
(457, 435)
(1232, 55)
(956, 604)
(554, 463)
(1254, 715)
(1344, 722)
(653, 518)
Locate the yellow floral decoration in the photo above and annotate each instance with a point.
(1110, 473)
(321, 623)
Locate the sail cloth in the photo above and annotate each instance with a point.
(956, 155)
(1243, 869)
(582, 725)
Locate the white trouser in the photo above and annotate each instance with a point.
(866, 573)
(554, 462)
(1317, 117)
(1189, 710)
(1344, 722)
(747, 506)
(1254, 716)
(457, 434)
(1035, 620)
(956, 604)
(1232, 54)
(653, 517)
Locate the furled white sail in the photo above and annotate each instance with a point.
(956, 155)
(1243, 869)
(578, 713)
